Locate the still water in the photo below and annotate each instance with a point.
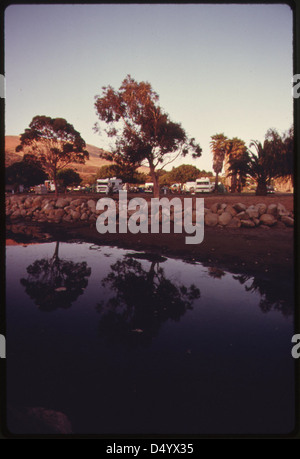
(122, 342)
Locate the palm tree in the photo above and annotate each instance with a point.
(261, 167)
(238, 159)
(219, 146)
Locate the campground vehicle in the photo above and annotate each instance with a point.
(104, 185)
(189, 187)
(204, 185)
(149, 187)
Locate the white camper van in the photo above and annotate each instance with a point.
(204, 185)
(189, 187)
(103, 185)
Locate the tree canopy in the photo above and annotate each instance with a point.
(54, 142)
(142, 131)
(68, 177)
(184, 173)
(28, 172)
(127, 174)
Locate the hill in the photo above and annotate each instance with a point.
(89, 168)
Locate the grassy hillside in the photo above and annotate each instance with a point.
(89, 168)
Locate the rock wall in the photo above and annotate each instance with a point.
(71, 209)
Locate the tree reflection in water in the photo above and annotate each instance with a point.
(143, 301)
(55, 283)
(275, 294)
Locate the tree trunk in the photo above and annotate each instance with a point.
(154, 178)
(261, 189)
(55, 256)
(55, 184)
(216, 182)
(233, 183)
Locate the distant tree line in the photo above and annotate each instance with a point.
(143, 134)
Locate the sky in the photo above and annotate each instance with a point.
(216, 68)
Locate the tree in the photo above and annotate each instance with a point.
(28, 172)
(237, 159)
(68, 177)
(55, 283)
(127, 174)
(55, 143)
(282, 148)
(143, 132)
(184, 173)
(144, 299)
(220, 146)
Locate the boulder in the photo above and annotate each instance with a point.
(67, 218)
(272, 210)
(288, 221)
(75, 215)
(281, 210)
(15, 214)
(231, 210)
(211, 219)
(252, 212)
(28, 202)
(84, 217)
(215, 207)
(59, 212)
(62, 202)
(225, 218)
(91, 205)
(261, 208)
(76, 202)
(248, 223)
(268, 219)
(234, 223)
(239, 207)
(243, 216)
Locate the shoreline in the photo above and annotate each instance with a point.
(266, 252)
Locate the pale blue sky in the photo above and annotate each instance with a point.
(216, 68)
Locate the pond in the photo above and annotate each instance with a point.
(112, 341)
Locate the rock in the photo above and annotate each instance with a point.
(75, 215)
(231, 210)
(223, 206)
(272, 210)
(84, 217)
(243, 216)
(47, 207)
(234, 223)
(280, 224)
(62, 202)
(211, 219)
(288, 221)
(28, 202)
(76, 202)
(256, 221)
(206, 211)
(261, 208)
(225, 218)
(248, 223)
(91, 205)
(23, 212)
(215, 207)
(268, 219)
(252, 212)
(239, 207)
(37, 202)
(15, 214)
(59, 212)
(67, 218)
(281, 210)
